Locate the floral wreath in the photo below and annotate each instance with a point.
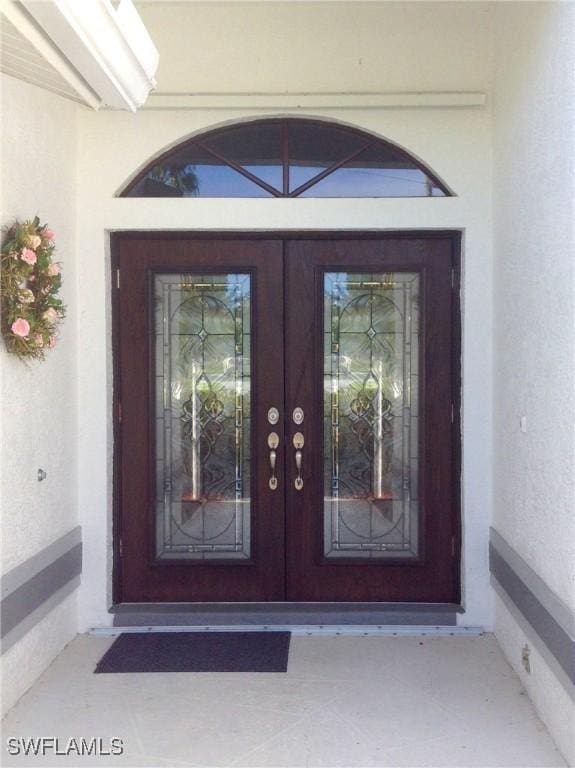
(29, 285)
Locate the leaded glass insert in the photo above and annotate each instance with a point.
(202, 379)
(371, 415)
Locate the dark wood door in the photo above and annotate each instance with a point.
(370, 351)
(348, 491)
(199, 364)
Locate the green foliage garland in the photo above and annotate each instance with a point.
(29, 285)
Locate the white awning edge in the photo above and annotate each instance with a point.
(110, 47)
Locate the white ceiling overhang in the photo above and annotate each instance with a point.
(101, 49)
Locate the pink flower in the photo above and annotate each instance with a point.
(52, 342)
(53, 270)
(28, 256)
(48, 233)
(26, 296)
(20, 327)
(34, 241)
(51, 315)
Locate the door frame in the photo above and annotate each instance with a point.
(455, 238)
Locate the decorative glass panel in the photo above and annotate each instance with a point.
(202, 379)
(371, 416)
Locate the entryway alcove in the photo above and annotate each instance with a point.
(287, 404)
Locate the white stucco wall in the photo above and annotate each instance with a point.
(534, 363)
(552, 702)
(38, 418)
(257, 47)
(24, 662)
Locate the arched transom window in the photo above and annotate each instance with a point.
(286, 158)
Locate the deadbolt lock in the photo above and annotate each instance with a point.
(297, 416)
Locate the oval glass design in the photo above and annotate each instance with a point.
(202, 381)
(371, 415)
(286, 158)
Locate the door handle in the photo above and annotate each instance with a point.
(298, 443)
(273, 442)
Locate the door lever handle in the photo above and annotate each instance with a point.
(273, 479)
(298, 481)
(298, 443)
(273, 442)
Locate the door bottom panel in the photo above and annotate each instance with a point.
(278, 614)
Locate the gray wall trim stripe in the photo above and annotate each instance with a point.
(553, 635)
(28, 597)
(562, 614)
(534, 638)
(33, 588)
(36, 616)
(19, 575)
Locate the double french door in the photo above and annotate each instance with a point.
(286, 414)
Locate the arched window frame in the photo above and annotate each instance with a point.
(368, 141)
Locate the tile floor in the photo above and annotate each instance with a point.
(345, 701)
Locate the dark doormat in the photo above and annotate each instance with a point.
(197, 652)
